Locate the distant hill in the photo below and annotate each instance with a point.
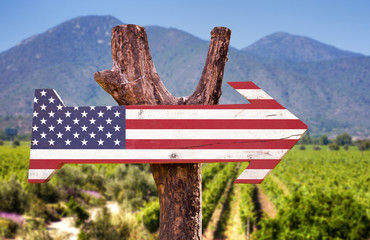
(284, 46)
(63, 58)
(328, 88)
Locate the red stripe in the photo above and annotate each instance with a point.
(255, 104)
(45, 163)
(209, 144)
(215, 124)
(38, 180)
(265, 104)
(252, 181)
(57, 164)
(263, 164)
(243, 85)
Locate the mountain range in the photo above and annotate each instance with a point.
(326, 87)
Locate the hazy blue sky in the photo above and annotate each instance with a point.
(344, 24)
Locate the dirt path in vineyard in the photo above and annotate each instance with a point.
(234, 228)
(216, 225)
(266, 205)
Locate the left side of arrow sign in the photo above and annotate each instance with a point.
(57, 129)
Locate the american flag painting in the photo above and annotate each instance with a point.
(261, 133)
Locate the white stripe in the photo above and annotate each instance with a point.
(254, 94)
(41, 173)
(214, 133)
(209, 114)
(170, 154)
(254, 174)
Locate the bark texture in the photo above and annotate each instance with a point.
(134, 80)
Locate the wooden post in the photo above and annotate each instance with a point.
(133, 80)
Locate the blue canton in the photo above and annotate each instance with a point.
(56, 126)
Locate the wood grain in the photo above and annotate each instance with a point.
(133, 80)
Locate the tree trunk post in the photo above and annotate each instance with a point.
(134, 80)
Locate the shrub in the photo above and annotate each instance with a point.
(81, 214)
(363, 145)
(316, 147)
(16, 143)
(101, 228)
(366, 144)
(306, 139)
(8, 228)
(12, 197)
(46, 192)
(151, 216)
(1, 142)
(343, 139)
(302, 147)
(71, 178)
(137, 187)
(35, 228)
(333, 146)
(324, 140)
(40, 210)
(346, 147)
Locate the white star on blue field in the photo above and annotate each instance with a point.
(55, 126)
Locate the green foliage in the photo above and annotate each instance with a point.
(16, 143)
(71, 177)
(124, 226)
(40, 209)
(363, 145)
(3, 136)
(247, 209)
(306, 139)
(47, 192)
(209, 170)
(300, 184)
(366, 144)
(13, 198)
(81, 214)
(333, 147)
(8, 228)
(321, 202)
(317, 148)
(93, 179)
(35, 229)
(324, 140)
(14, 163)
(213, 191)
(318, 215)
(343, 139)
(101, 229)
(151, 216)
(132, 185)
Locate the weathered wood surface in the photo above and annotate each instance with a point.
(133, 80)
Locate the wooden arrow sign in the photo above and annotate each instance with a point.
(261, 133)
